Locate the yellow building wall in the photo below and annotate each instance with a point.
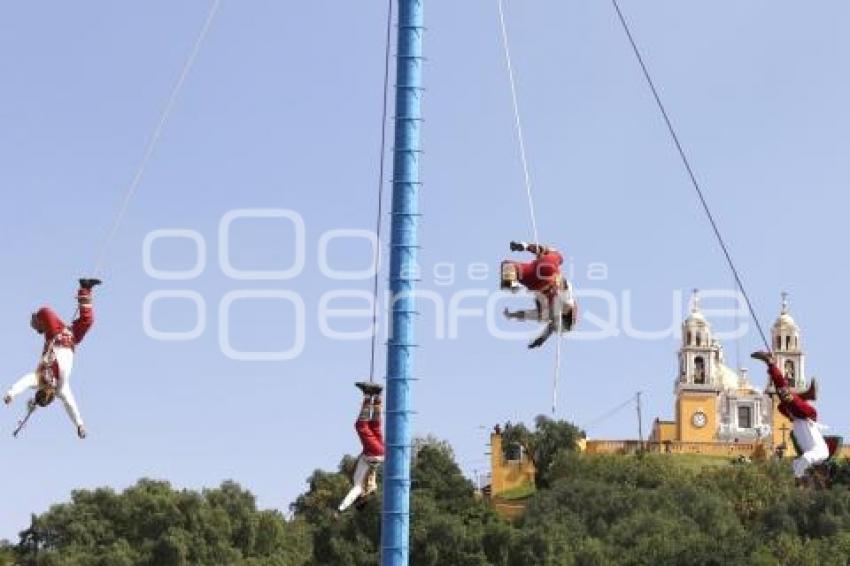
(781, 426)
(507, 475)
(663, 431)
(612, 447)
(725, 449)
(688, 403)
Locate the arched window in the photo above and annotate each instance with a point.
(690, 338)
(791, 373)
(699, 338)
(699, 370)
(779, 342)
(787, 342)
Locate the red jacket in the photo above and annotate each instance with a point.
(543, 274)
(792, 406)
(55, 331)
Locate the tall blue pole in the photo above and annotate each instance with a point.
(395, 532)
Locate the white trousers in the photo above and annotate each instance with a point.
(65, 361)
(360, 480)
(811, 442)
(549, 311)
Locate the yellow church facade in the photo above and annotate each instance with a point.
(717, 409)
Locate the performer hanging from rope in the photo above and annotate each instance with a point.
(52, 376)
(803, 416)
(553, 294)
(368, 427)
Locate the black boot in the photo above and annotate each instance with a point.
(89, 284)
(369, 388)
(766, 357)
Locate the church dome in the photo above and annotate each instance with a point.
(786, 333)
(696, 331)
(785, 320)
(728, 378)
(696, 318)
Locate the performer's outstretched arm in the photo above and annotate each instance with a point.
(67, 397)
(29, 381)
(361, 471)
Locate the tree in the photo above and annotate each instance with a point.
(434, 471)
(151, 523)
(7, 553)
(447, 525)
(590, 510)
(549, 438)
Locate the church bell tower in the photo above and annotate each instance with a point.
(791, 359)
(697, 390)
(696, 357)
(788, 349)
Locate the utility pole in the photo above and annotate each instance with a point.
(640, 421)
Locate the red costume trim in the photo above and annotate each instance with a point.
(792, 406)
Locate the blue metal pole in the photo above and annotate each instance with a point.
(395, 532)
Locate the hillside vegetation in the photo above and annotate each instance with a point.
(587, 510)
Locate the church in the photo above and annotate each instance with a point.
(716, 407)
(718, 410)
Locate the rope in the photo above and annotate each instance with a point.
(518, 120)
(690, 171)
(381, 169)
(737, 339)
(527, 177)
(154, 139)
(609, 413)
(557, 372)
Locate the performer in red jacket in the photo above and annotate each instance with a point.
(52, 376)
(368, 427)
(803, 416)
(553, 295)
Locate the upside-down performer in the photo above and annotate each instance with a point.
(51, 378)
(555, 304)
(796, 407)
(368, 427)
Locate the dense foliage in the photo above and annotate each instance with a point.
(151, 523)
(543, 444)
(588, 510)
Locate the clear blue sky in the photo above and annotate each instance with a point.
(282, 111)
